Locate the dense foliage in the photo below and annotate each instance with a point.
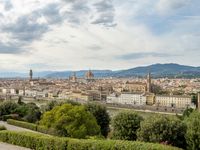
(193, 131)
(22, 124)
(163, 129)
(44, 142)
(2, 127)
(66, 118)
(187, 112)
(28, 112)
(71, 121)
(33, 140)
(101, 115)
(125, 125)
(31, 126)
(51, 104)
(7, 108)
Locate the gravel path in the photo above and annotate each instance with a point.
(5, 146)
(14, 128)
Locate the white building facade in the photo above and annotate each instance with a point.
(175, 101)
(127, 98)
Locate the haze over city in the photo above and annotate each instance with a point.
(97, 34)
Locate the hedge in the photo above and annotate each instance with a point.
(33, 140)
(45, 130)
(44, 142)
(2, 127)
(32, 126)
(76, 144)
(11, 116)
(22, 124)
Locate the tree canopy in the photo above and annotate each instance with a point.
(71, 121)
(193, 131)
(8, 107)
(28, 112)
(101, 115)
(163, 129)
(125, 125)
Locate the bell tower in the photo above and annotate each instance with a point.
(30, 74)
(149, 82)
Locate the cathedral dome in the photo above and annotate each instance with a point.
(89, 75)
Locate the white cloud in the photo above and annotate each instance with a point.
(93, 34)
(170, 6)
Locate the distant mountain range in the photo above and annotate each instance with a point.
(162, 70)
(157, 70)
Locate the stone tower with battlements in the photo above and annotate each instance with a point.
(149, 82)
(30, 74)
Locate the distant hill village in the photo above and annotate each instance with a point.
(160, 95)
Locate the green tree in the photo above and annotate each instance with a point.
(125, 125)
(74, 103)
(187, 112)
(21, 110)
(101, 115)
(193, 131)
(7, 108)
(163, 129)
(71, 121)
(194, 99)
(29, 112)
(20, 100)
(50, 105)
(33, 114)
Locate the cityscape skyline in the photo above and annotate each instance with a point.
(99, 34)
(170, 70)
(100, 74)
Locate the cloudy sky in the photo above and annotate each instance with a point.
(97, 34)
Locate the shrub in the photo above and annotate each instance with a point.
(163, 129)
(33, 115)
(11, 116)
(49, 106)
(33, 127)
(45, 130)
(193, 131)
(33, 140)
(7, 107)
(74, 144)
(125, 125)
(72, 102)
(44, 142)
(2, 127)
(187, 112)
(29, 112)
(72, 121)
(22, 124)
(101, 115)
